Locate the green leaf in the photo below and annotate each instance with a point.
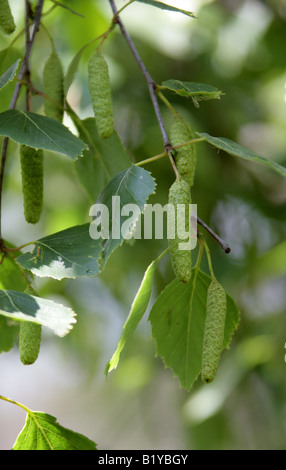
(178, 318)
(8, 334)
(237, 150)
(72, 68)
(70, 253)
(39, 131)
(11, 275)
(43, 432)
(163, 6)
(104, 159)
(138, 308)
(131, 186)
(9, 74)
(20, 306)
(194, 90)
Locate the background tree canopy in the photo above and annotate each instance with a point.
(239, 47)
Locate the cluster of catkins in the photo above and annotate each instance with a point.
(180, 193)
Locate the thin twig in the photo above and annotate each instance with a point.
(150, 82)
(220, 241)
(22, 73)
(59, 4)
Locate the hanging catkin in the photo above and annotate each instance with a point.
(7, 24)
(32, 182)
(53, 79)
(29, 342)
(185, 157)
(179, 193)
(214, 330)
(100, 92)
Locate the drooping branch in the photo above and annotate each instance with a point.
(150, 82)
(30, 38)
(152, 87)
(219, 240)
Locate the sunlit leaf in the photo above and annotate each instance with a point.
(163, 6)
(9, 74)
(197, 91)
(20, 306)
(136, 313)
(43, 432)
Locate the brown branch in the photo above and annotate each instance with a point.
(150, 82)
(23, 71)
(220, 241)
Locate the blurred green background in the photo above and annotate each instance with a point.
(240, 48)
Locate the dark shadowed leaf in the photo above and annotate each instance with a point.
(70, 253)
(39, 131)
(104, 159)
(237, 150)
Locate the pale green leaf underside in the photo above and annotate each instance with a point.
(136, 313)
(43, 432)
(178, 318)
(70, 253)
(132, 186)
(163, 6)
(197, 91)
(9, 74)
(20, 306)
(39, 131)
(237, 150)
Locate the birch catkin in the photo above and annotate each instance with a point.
(179, 193)
(100, 92)
(29, 341)
(32, 182)
(185, 157)
(53, 79)
(214, 330)
(7, 24)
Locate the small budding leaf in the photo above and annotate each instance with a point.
(29, 342)
(185, 157)
(214, 330)
(100, 92)
(53, 78)
(32, 182)
(7, 24)
(179, 194)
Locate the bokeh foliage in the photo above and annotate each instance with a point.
(238, 47)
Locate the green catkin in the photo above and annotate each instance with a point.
(100, 92)
(7, 24)
(186, 156)
(179, 193)
(29, 341)
(53, 79)
(32, 182)
(214, 330)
